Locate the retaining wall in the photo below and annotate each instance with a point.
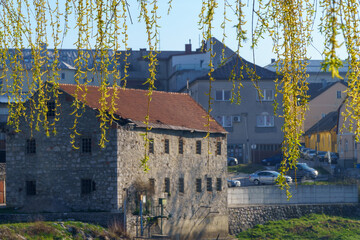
(301, 194)
(245, 217)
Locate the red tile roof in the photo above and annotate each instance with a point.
(176, 111)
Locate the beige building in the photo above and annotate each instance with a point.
(254, 131)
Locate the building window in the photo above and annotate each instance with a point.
(87, 186)
(198, 147)
(264, 120)
(181, 146)
(218, 148)
(267, 95)
(338, 94)
(4, 113)
(225, 121)
(167, 185)
(30, 146)
(152, 185)
(198, 185)
(151, 145)
(218, 184)
(62, 76)
(30, 188)
(222, 95)
(167, 150)
(51, 109)
(86, 145)
(209, 184)
(181, 185)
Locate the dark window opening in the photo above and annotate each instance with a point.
(218, 148)
(87, 186)
(152, 185)
(209, 184)
(30, 146)
(167, 185)
(62, 75)
(30, 188)
(86, 145)
(181, 146)
(151, 145)
(167, 150)
(51, 109)
(198, 185)
(181, 185)
(218, 184)
(198, 147)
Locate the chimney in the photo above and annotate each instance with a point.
(188, 47)
(272, 60)
(142, 51)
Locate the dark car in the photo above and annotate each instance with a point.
(321, 155)
(273, 160)
(331, 157)
(302, 171)
(232, 161)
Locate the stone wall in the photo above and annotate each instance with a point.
(243, 218)
(301, 194)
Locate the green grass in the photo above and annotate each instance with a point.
(246, 168)
(313, 226)
(58, 230)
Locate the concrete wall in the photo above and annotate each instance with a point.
(243, 218)
(302, 194)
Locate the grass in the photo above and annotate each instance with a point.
(246, 168)
(59, 230)
(313, 226)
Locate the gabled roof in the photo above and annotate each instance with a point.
(175, 111)
(327, 123)
(224, 72)
(315, 89)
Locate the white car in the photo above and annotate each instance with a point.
(233, 183)
(266, 177)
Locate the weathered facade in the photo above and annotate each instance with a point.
(47, 174)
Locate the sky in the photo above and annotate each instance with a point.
(181, 26)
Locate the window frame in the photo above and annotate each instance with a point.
(198, 147)
(181, 146)
(222, 120)
(198, 186)
(209, 186)
(223, 93)
(51, 108)
(264, 119)
(338, 94)
(218, 148)
(167, 185)
(86, 145)
(167, 146)
(218, 184)
(265, 95)
(151, 145)
(87, 186)
(30, 188)
(181, 185)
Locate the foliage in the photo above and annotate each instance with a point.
(60, 230)
(309, 227)
(32, 24)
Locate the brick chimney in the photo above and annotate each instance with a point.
(188, 47)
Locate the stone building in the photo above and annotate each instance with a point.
(47, 174)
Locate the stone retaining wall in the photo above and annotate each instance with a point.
(243, 218)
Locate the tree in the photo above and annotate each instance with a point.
(289, 23)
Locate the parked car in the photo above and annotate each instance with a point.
(334, 157)
(303, 171)
(310, 154)
(303, 151)
(266, 177)
(232, 161)
(233, 183)
(321, 155)
(273, 160)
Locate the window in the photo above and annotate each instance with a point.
(181, 146)
(338, 94)
(268, 95)
(218, 148)
(218, 184)
(4, 112)
(198, 147)
(181, 185)
(166, 145)
(63, 76)
(87, 186)
(152, 184)
(167, 185)
(264, 120)
(30, 188)
(222, 95)
(30, 146)
(209, 184)
(51, 109)
(225, 121)
(198, 185)
(86, 145)
(151, 145)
